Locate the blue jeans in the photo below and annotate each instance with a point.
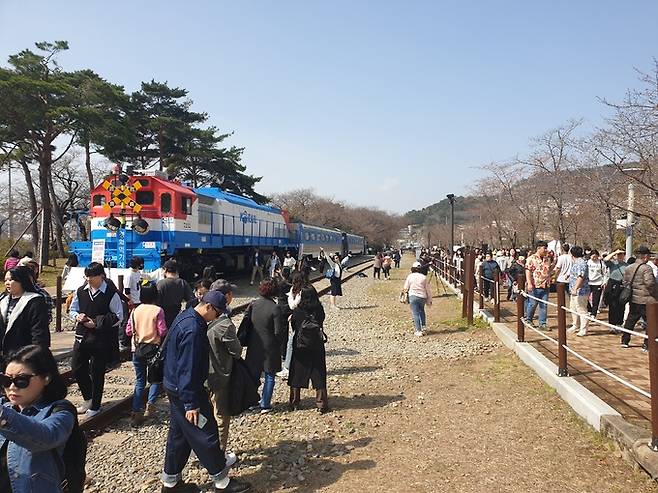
(140, 384)
(541, 293)
(417, 305)
(268, 390)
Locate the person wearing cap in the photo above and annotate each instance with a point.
(645, 291)
(192, 424)
(224, 348)
(420, 294)
(172, 291)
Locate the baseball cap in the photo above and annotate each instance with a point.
(216, 299)
(416, 264)
(223, 286)
(643, 250)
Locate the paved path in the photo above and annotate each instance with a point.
(602, 348)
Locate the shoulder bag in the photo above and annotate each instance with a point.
(626, 293)
(155, 365)
(245, 328)
(143, 350)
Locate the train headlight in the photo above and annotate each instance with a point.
(112, 223)
(140, 226)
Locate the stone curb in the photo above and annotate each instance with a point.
(631, 439)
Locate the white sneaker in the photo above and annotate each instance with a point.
(84, 407)
(418, 333)
(231, 458)
(423, 329)
(283, 373)
(572, 329)
(91, 413)
(582, 333)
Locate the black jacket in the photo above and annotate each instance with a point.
(28, 323)
(263, 352)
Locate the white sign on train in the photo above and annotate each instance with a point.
(98, 251)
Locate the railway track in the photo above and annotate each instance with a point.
(114, 411)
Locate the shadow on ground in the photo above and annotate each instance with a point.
(318, 467)
(350, 370)
(362, 307)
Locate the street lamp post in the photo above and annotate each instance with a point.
(451, 199)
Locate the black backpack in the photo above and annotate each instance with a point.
(72, 463)
(311, 334)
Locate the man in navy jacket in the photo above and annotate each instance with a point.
(192, 424)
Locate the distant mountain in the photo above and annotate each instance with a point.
(440, 212)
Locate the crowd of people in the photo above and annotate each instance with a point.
(593, 281)
(184, 344)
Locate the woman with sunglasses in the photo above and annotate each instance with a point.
(35, 422)
(23, 312)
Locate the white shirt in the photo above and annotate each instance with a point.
(289, 262)
(596, 272)
(134, 282)
(564, 263)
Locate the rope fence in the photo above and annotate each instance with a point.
(471, 282)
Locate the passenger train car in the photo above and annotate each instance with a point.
(150, 216)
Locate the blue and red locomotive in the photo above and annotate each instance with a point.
(150, 216)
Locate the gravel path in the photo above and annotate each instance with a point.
(452, 411)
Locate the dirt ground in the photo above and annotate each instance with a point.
(453, 411)
(407, 419)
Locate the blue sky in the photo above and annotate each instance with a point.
(390, 104)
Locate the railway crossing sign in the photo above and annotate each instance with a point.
(122, 196)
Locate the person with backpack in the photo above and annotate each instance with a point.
(42, 449)
(308, 360)
(644, 290)
(146, 325)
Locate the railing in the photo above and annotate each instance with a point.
(472, 282)
(564, 350)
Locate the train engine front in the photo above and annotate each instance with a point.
(136, 215)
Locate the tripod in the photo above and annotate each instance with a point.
(437, 279)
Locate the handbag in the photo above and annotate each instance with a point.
(404, 297)
(626, 293)
(243, 390)
(155, 365)
(245, 328)
(329, 273)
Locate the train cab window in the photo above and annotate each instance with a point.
(165, 202)
(99, 199)
(144, 182)
(144, 198)
(186, 205)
